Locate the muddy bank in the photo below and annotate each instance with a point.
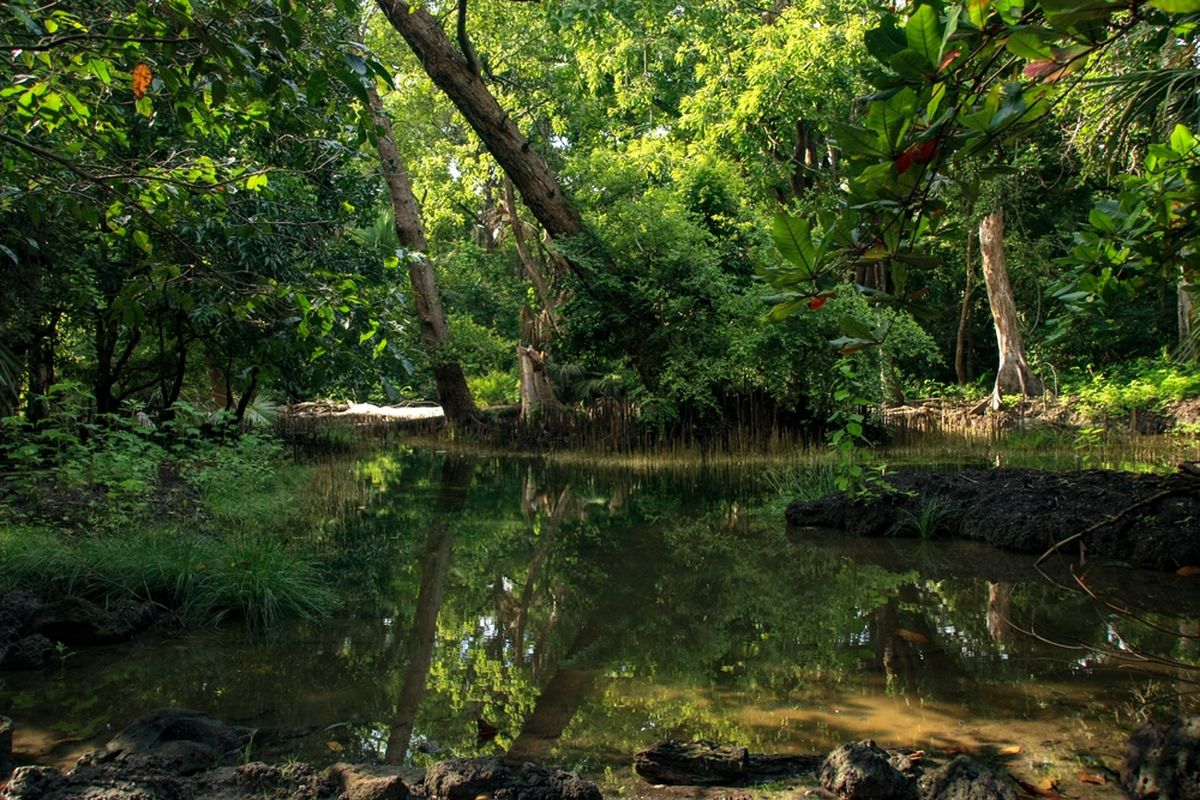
(1149, 521)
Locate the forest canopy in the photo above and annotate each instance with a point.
(704, 213)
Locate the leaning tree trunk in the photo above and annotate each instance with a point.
(453, 393)
(1013, 375)
(452, 72)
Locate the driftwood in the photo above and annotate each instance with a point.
(706, 764)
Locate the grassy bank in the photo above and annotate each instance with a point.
(209, 528)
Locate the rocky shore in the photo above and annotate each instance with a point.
(178, 754)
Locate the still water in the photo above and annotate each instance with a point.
(576, 615)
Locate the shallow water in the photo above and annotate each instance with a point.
(588, 613)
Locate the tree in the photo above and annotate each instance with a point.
(1013, 375)
(453, 393)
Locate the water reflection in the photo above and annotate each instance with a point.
(579, 615)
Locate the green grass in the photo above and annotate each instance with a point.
(250, 576)
(209, 530)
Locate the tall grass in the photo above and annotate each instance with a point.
(211, 530)
(250, 576)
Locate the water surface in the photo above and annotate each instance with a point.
(576, 615)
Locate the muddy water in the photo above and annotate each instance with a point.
(579, 615)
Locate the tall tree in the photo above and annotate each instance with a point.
(453, 393)
(1013, 375)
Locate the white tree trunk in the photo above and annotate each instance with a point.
(1013, 375)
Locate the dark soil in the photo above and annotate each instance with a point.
(1149, 521)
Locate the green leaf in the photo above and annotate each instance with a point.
(1177, 6)
(793, 238)
(890, 118)
(923, 33)
(885, 41)
(1029, 43)
(1182, 140)
(856, 329)
(142, 240)
(977, 12)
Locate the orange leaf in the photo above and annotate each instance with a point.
(1093, 777)
(1011, 750)
(1187, 572)
(1038, 791)
(335, 747)
(818, 301)
(912, 636)
(141, 80)
(948, 59)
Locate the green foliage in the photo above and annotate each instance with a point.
(1144, 385)
(201, 526)
(494, 388)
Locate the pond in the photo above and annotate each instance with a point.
(576, 614)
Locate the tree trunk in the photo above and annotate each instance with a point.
(453, 393)
(1013, 374)
(450, 70)
(1185, 314)
(964, 315)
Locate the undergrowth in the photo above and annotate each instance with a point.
(209, 527)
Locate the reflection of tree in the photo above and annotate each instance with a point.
(1000, 611)
(456, 480)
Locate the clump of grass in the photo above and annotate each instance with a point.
(805, 482)
(929, 520)
(253, 576)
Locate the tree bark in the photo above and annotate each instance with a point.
(1184, 314)
(1013, 374)
(453, 394)
(451, 72)
(964, 314)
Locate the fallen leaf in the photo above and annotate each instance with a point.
(141, 80)
(1187, 572)
(335, 746)
(1011, 750)
(1038, 791)
(1093, 777)
(912, 636)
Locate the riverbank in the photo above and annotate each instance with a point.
(1148, 521)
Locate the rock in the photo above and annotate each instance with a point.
(693, 764)
(34, 783)
(78, 622)
(6, 737)
(30, 652)
(466, 779)
(179, 738)
(864, 771)
(964, 778)
(16, 610)
(1163, 761)
(370, 782)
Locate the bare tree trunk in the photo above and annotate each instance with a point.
(1013, 374)
(1185, 314)
(453, 393)
(964, 314)
(537, 394)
